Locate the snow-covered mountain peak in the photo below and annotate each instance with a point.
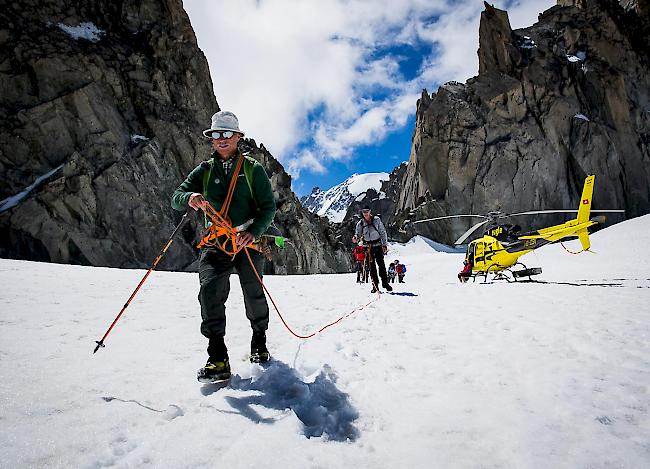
(333, 203)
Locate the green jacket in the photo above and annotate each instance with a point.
(243, 207)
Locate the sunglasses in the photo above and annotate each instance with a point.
(225, 134)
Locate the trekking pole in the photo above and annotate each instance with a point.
(100, 343)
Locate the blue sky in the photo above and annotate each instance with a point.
(330, 86)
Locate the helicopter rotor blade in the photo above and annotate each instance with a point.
(446, 217)
(607, 211)
(469, 232)
(541, 212)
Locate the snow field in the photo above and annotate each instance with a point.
(440, 374)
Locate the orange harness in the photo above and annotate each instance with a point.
(221, 233)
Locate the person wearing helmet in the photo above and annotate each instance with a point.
(371, 229)
(251, 210)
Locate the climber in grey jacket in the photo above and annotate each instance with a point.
(372, 232)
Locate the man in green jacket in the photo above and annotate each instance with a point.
(251, 211)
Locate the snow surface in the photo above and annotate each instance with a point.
(527, 375)
(85, 30)
(358, 183)
(14, 200)
(581, 116)
(334, 202)
(136, 138)
(579, 57)
(527, 43)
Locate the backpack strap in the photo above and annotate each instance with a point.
(249, 166)
(207, 170)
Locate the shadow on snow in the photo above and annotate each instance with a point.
(322, 408)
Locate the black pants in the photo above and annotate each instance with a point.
(214, 275)
(377, 257)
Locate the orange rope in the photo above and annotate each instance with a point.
(277, 310)
(221, 227)
(570, 252)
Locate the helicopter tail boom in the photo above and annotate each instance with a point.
(585, 201)
(576, 227)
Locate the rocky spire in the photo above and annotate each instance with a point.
(497, 51)
(552, 103)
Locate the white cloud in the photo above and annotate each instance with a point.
(306, 74)
(306, 159)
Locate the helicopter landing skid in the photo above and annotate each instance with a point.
(526, 273)
(510, 275)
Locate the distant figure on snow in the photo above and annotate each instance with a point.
(359, 254)
(466, 273)
(371, 231)
(391, 273)
(400, 270)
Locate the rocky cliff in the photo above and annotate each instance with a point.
(552, 103)
(101, 107)
(314, 246)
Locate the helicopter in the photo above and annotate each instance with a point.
(499, 249)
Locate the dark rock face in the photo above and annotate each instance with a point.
(553, 103)
(102, 104)
(117, 117)
(314, 245)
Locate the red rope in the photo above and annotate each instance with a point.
(221, 227)
(277, 310)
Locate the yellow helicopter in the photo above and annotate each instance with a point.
(501, 246)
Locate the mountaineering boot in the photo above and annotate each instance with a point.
(217, 368)
(374, 290)
(214, 371)
(387, 287)
(259, 352)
